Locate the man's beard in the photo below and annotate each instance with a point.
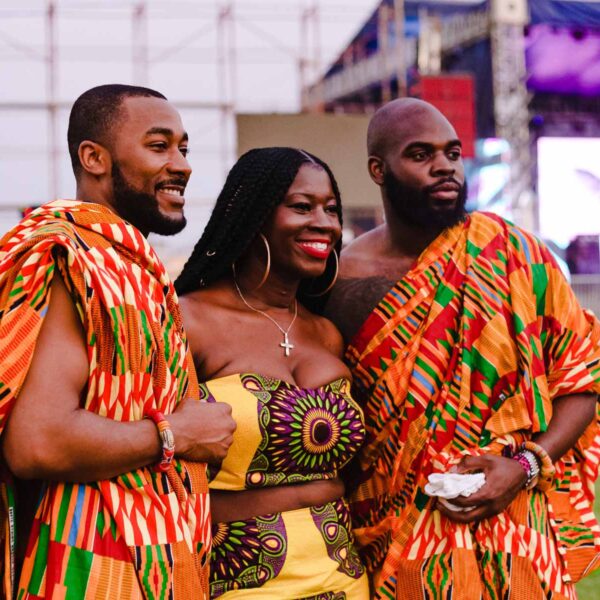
(415, 206)
(142, 209)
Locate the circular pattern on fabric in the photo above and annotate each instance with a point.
(320, 431)
(306, 433)
(205, 395)
(247, 554)
(333, 521)
(311, 430)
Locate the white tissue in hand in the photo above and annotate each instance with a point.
(453, 485)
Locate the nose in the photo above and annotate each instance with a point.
(179, 164)
(324, 220)
(442, 165)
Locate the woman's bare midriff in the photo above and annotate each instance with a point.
(240, 505)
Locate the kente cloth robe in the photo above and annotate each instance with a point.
(142, 534)
(465, 356)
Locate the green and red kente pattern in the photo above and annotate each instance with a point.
(464, 356)
(143, 534)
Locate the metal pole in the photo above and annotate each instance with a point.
(316, 16)
(232, 103)
(53, 156)
(225, 56)
(400, 47)
(140, 44)
(511, 102)
(383, 45)
(302, 58)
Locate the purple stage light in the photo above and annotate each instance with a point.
(563, 60)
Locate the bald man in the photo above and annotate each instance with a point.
(478, 372)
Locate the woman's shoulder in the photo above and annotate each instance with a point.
(206, 300)
(205, 311)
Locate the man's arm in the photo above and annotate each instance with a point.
(505, 477)
(49, 436)
(557, 305)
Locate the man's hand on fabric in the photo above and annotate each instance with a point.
(203, 431)
(504, 478)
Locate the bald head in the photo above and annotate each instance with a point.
(415, 157)
(397, 120)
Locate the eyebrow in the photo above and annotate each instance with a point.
(166, 132)
(428, 145)
(311, 196)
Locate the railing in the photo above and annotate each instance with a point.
(458, 30)
(587, 289)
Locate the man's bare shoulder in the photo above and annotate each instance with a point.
(359, 257)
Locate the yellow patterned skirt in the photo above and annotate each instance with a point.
(304, 554)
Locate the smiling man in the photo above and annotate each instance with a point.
(104, 490)
(469, 353)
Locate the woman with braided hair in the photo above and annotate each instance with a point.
(281, 528)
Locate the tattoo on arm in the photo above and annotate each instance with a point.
(352, 301)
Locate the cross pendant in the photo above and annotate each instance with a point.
(286, 345)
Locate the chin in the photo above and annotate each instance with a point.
(173, 213)
(302, 272)
(313, 274)
(314, 268)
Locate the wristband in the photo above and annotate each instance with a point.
(547, 468)
(166, 438)
(528, 461)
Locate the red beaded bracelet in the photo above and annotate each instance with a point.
(166, 438)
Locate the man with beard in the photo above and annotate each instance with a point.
(105, 444)
(478, 372)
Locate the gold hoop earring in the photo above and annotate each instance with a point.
(267, 268)
(335, 276)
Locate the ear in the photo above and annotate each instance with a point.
(376, 168)
(94, 158)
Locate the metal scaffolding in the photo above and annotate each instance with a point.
(223, 22)
(217, 27)
(500, 21)
(511, 102)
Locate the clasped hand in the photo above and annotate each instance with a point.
(504, 479)
(203, 431)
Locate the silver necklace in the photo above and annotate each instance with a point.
(286, 344)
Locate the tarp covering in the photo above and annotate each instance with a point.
(565, 13)
(553, 12)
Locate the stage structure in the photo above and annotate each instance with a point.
(428, 49)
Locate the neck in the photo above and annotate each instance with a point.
(405, 239)
(99, 193)
(93, 192)
(276, 292)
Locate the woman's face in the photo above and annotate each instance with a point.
(305, 227)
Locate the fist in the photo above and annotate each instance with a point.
(203, 431)
(504, 479)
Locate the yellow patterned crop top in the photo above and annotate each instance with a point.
(285, 434)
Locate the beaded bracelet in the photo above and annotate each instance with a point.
(528, 461)
(520, 458)
(166, 438)
(547, 468)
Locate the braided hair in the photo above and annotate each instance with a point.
(256, 184)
